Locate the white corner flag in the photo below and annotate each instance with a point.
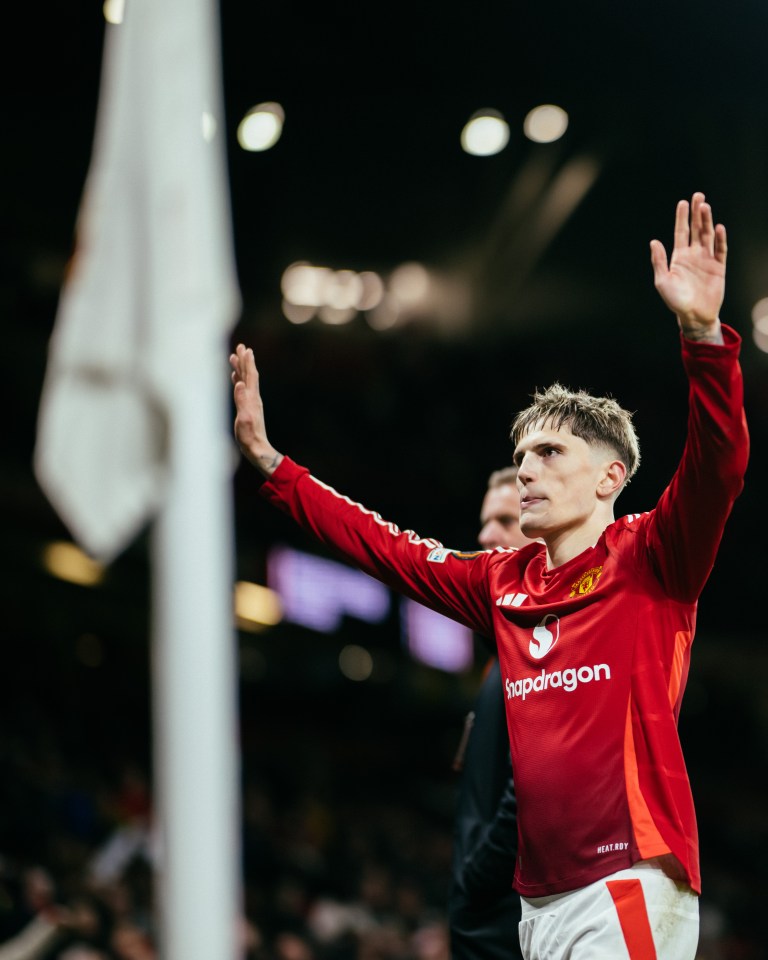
(151, 286)
(133, 426)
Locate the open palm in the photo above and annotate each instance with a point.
(693, 283)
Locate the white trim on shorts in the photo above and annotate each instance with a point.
(634, 914)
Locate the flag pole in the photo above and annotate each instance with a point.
(194, 700)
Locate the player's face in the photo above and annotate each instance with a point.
(558, 480)
(500, 518)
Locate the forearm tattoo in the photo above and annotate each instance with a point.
(273, 462)
(703, 336)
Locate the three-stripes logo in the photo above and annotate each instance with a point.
(511, 600)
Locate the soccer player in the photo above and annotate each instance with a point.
(593, 624)
(483, 908)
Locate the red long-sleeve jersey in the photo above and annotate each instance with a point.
(594, 653)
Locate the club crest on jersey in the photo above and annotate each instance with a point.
(586, 582)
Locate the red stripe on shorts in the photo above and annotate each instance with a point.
(629, 901)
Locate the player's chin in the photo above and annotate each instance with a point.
(536, 518)
(533, 527)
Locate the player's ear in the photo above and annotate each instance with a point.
(612, 478)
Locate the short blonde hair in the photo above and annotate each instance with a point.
(599, 421)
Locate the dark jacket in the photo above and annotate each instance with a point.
(483, 909)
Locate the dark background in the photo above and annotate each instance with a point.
(666, 99)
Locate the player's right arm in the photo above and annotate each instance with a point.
(450, 583)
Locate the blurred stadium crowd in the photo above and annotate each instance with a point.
(346, 849)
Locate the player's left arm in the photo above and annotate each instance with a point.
(687, 525)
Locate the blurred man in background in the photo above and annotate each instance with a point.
(483, 909)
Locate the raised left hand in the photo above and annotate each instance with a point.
(693, 283)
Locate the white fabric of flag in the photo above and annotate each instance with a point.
(151, 289)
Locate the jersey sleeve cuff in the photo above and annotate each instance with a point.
(286, 475)
(731, 345)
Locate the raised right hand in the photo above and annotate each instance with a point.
(250, 429)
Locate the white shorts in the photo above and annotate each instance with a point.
(634, 914)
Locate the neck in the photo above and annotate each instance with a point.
(567, 544)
